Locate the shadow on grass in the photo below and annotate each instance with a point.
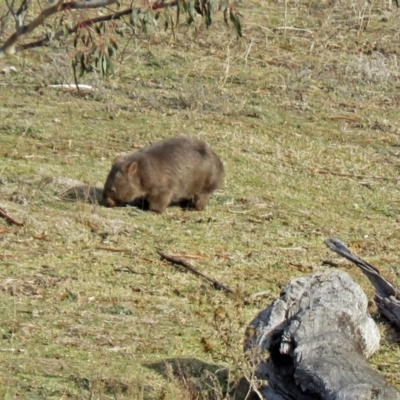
(84, 193)
(103, 387)
(94, 195)
(200, 380)
(90, 194)
(87, 193)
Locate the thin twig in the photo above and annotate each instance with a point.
(292, 28)
(330, 263)
(132, 271)
(381, 178)
(12, 350)
(9, 219)
(259, 295)
(69, 88)
(113, 249)
(179, 261)
(149, 260)
(193, 256)
(351, 118)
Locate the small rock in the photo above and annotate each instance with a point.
(7, 70)
(18, 198)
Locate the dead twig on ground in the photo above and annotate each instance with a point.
(293, 28)
(356, 176)
(149, 260)
(132, 271)
(179, 261)
(12, 350)
(330, 263)
(9, 219)
(193, 256)
(112, 249)
(350, 118)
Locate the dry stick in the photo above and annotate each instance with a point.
(149, 260)
(351, 118)
(12, 350)
(381, 178)
(194, 256)
(330, 263)
(113, 249)
(292, 28)
(178, 261)
(132, 271)
(9, 219)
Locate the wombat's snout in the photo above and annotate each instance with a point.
(109, 202)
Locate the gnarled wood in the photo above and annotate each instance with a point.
(312, 342)
(387, 296)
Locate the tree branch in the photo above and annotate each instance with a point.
(179, 261)
(9, 46)
(89, 22)
(20, 14)
(9, 219)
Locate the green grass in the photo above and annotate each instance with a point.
(75, 321)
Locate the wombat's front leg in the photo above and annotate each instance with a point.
(201, 201)
(159, 200)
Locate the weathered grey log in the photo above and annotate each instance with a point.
(387, 297)
(312, 342)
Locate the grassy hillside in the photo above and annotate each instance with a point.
(303, 110)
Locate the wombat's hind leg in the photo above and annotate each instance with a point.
(159, 201)
(200, 201)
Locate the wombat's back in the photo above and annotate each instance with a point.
(170, 151)
(188, 161)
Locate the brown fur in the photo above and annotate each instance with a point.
(170, 171)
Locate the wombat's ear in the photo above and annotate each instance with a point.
(117, 160)
(131, 168)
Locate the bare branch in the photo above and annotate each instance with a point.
(10, 6)
(179, 261)
(18, 16)
(9, 46)
(83, 4)
(89, 22)
(9, 219)
(4, 18)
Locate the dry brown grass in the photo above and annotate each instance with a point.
(289, 110)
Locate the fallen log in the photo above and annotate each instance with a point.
(313, 342)
(387, 297)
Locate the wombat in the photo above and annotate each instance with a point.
(179, 169)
